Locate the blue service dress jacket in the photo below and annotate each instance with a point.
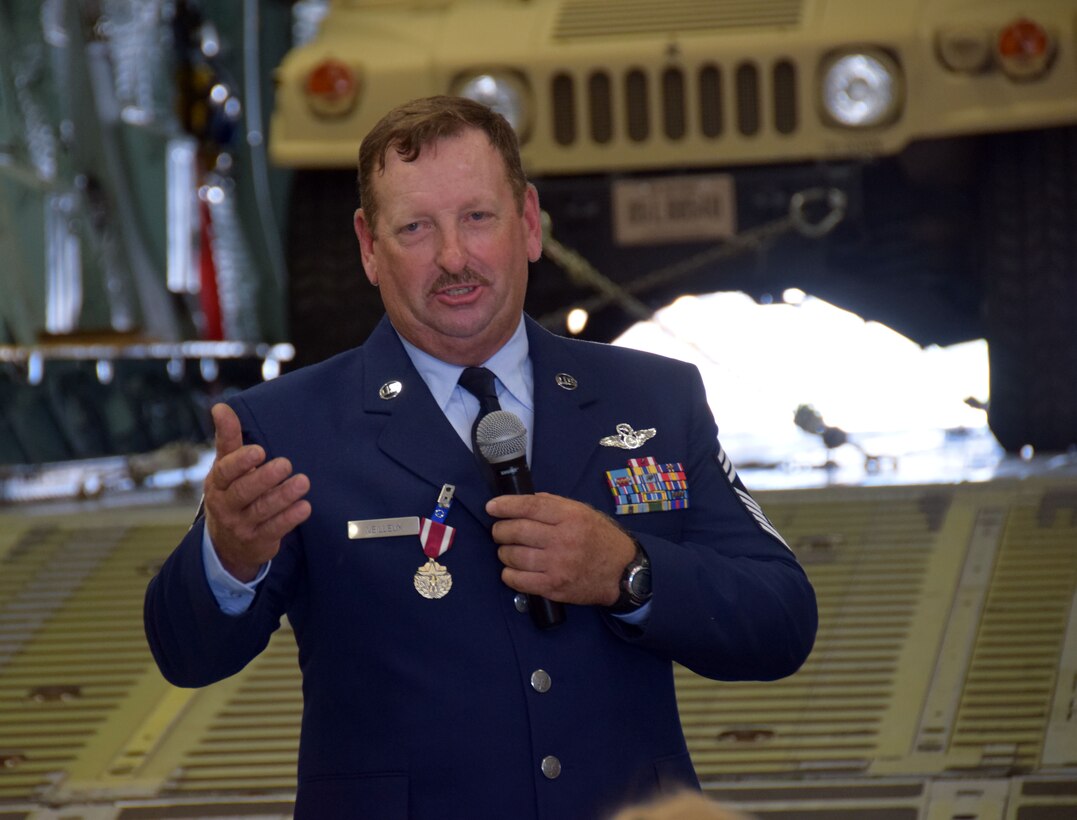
(419, 708)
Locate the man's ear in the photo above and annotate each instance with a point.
(533, 223)
(365, 234)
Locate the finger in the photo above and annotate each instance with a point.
(522, 531)
(522, 558)
(255, 483)
(275, 528)
(228, 469)
(277, 499)
(228, 435)
(543, 507)
(534, 583)
(521, 581)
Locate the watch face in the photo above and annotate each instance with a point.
(639, 582)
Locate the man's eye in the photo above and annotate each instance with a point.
(478, 216)
(411, 229)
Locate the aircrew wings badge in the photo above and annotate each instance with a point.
(627, 438)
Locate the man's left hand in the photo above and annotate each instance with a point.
(559, 548)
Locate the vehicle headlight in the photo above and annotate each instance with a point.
(504, 92)
(861, 89)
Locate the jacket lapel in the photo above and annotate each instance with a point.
(417, 435)
(566, 432)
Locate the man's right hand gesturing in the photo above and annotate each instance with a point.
(250, 504)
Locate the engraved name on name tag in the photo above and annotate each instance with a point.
(383, 527)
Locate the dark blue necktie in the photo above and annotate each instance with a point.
(479, 382)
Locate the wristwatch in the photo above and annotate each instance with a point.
(635, 583)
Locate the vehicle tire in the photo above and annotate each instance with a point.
(1030, 261)
(331, 305)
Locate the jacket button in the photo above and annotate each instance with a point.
(520, 601)
(540, 680)
(551, 767)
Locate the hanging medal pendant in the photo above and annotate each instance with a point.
(432, 580)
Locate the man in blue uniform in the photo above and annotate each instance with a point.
(346, 496)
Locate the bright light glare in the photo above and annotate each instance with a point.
(760, 362)
(576, 321)
(105, 371)
(270, 369)
(794, 296)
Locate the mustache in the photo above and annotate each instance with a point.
(464, 278)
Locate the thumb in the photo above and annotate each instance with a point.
(229, 435)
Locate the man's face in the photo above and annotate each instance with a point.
(450, 248)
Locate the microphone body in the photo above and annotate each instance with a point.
(513, 477)
(502, 441)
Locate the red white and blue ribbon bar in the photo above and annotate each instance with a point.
(646, 486)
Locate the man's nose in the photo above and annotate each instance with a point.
(452, 256)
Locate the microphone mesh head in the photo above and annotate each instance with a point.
(501, 436)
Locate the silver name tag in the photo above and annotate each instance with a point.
(384, 527)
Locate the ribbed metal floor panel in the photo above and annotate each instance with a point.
(944, 671)
(868, 562)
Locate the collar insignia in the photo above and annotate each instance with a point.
(566, 381)
(390, 390)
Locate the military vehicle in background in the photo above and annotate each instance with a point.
(913, 161)
(176, 180)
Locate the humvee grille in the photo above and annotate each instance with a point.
(672, 105)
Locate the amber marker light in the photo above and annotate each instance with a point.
(1024, 49)
(332, 88)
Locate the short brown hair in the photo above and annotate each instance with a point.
(410, 127)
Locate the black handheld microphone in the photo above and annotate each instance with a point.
(502, 441)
